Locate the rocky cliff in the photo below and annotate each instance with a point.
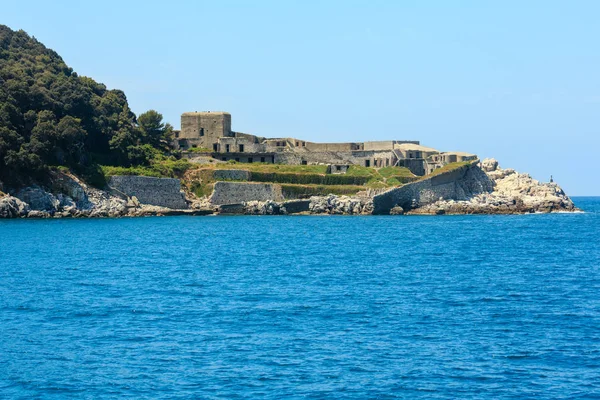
(478, 188)
(457, 184)
(67, 196)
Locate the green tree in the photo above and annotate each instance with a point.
(154, 131)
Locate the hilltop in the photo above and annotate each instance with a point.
(50, 116)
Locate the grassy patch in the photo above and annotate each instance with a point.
(402, 172)
(447, 168)
(377, 185)
(393, 182)
(358, 170)
(201, 189)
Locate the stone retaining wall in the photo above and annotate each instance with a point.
(242, 192)
(458, 184)
(163, 192)
(231, 175)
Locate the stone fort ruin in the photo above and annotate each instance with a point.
(209, 133)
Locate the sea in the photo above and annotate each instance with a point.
(302, 307)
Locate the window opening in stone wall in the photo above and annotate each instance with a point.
(367, 163)
(262, 159)
(241, 148)
(304, 162)
(215, 147)
(273, 159)
(227, 148)
(250, 159)
(223, 158)
(194, 146)
(201, 131)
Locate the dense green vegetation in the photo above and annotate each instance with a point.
(50, 116)
(159, 167)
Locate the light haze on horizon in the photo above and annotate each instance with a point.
(517, 81)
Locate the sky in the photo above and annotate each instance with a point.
(515, 80)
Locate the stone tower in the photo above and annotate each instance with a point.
(203, 129)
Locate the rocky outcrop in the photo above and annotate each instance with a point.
(67, 196)
(12, 207)
(38, 198)
(512, 193)
(458, 184)
(333, 204)
(268, 207)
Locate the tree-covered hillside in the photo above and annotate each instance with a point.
(50, 116)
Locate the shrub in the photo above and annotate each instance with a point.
(202, 189)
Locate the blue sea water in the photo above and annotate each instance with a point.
(309, 307)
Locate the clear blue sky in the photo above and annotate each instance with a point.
(516, 80)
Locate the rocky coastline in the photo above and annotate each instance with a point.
(484, 189)
(513, 193)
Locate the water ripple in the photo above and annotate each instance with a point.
(302, 308)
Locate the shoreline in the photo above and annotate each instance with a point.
(207, 213)
(473, 189)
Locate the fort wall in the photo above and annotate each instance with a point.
(458, 184)
(231, 175)
(332, 146)
(243, 192)
(163, 192)
(203, 129)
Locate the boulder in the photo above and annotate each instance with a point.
(38, 199)
(268, 207)
(397, 211)
(38, 214)
(70, 186)
(489, 165)
(12, 207)
(334, 204)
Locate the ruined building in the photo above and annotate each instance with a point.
(210, 133)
